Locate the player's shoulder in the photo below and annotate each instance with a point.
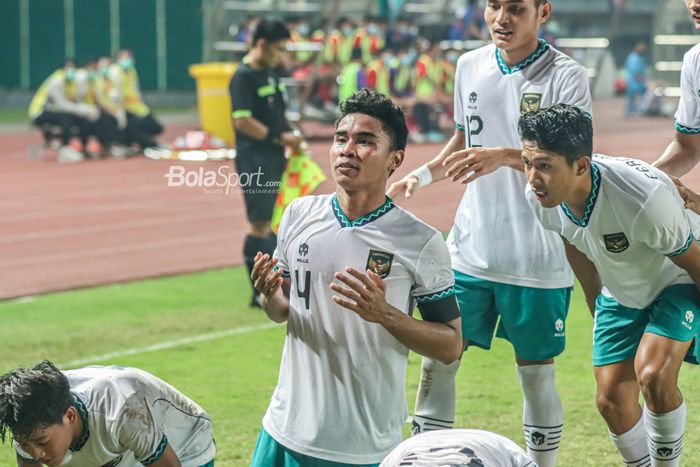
(564, 63)
(692, 54)
(310, 203)
(410, 227)
(477, 56)
(108, 381)
(629, 181)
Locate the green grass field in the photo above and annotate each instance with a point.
(233, 376)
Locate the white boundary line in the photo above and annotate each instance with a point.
(167, 345)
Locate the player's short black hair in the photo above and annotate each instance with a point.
(272, 30)
(32, 398)
(563, 129)
(377, 105)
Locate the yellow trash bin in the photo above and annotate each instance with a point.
(213, 98)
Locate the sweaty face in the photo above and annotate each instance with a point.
(361, 157)
(514, 24)
(548, 174)
(694, 10)
(48, 445)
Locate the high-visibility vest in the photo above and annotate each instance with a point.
(105, 93)
(301, 55)
(131, 92)
(378, 77)
(426, 76)
(36, 106)
(447, 78)
(348, 81)
(338, 48)
(402, 81)
(371, 46)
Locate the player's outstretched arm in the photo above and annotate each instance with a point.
(467, 165)
(586, 273)
(365, 295)
(428, 173)
(681, 155)
(269, 282)
(690, 261)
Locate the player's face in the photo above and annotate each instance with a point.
(274, 53)
(694, 10)
(361, 157)
(515, 24)
(549, 175)
(49, 445)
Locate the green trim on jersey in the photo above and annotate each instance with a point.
(686, 130)
(85, 434)
(159, 452)
(592, 197)
(684, 248)
(242, 113)
(459, 127)
(436, 296)
(541, 49)
(362, 220)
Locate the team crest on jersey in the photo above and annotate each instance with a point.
(529, 102)
(113, 462)
(616, 243)
(379, 262)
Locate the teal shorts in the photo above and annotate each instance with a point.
(618, 329)
(269, 453)
(208, 464)
(531, 319)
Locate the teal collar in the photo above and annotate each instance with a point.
(85, 434)
(590, 204)
(363, 220)
(541, 49)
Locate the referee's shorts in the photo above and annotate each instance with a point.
(259, 174)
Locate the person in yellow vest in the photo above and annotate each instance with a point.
(377, 73)
(141, 127)
(372, 39)
(352, 76)
(427, 81)
(55, 105)
(401, 77)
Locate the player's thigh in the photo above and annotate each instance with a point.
(533, 320)
(477, 307)
(269, 453)
(617, 331)
(676, 313)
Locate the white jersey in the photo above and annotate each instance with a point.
(633, 222)
(130, 416)
(341, 390)
(688, 113)
(495, 237)
(447, 448)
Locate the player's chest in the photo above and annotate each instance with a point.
(506, 96)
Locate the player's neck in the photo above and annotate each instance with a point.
(256, 61)
(518, 55)
(356, 204)
(580, 194)
(76, 431)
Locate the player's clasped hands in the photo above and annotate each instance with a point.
(469, 164)
(265, 278)
(364, 294)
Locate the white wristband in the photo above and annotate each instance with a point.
(424, 175)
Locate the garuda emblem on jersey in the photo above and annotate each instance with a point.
(616, 243)
(379, 262)
(113, 462)
(529, 102)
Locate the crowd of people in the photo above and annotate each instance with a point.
(95, 110)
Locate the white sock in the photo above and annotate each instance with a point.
(665, 435)
(543, 416)
(435, 401)
(632, 445)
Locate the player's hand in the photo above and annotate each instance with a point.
(364, 294)
(469, 164)
(291, 140)
(265, 278)
(690, 198)
(406, 186)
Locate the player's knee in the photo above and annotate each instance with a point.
(609, 405)
(655, 383)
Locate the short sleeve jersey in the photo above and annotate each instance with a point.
(633, 223)
(341, 390)
(261, 95)
(458, 448)
(130, 416)
(495, 237)
(688, 112)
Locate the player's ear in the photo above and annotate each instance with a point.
(583, 163)
(545, 11)
(396, 160)
(71, 415)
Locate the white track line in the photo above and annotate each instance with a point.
(166, 345)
